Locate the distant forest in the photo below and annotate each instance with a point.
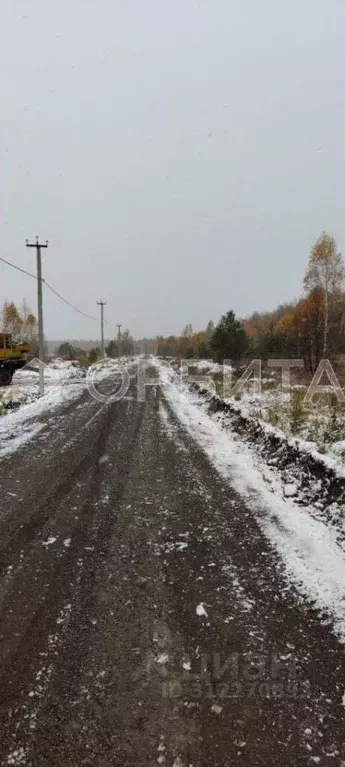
(312, 327)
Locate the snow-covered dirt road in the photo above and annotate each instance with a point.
(149, 612)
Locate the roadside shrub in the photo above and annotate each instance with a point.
(273, 416)
(334, 429)
(297, 412)
(94, 355)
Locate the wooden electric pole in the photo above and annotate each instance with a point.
(38, 247)
(102, 304)
(119, 326)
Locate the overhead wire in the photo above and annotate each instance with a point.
(90, 317)
(19, 269)
(47, 284)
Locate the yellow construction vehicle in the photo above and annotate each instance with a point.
(12, 357)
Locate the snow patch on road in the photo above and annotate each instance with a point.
(18, 756)
(313, 560)
(200, 610)
(49, 542)
(170, 429)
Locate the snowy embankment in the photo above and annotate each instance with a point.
(22, 407)
(22, 425)
(24, 388)
(313, 558)
(315, 479)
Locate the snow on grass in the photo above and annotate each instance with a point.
(313, 560)
(319, 426)
(208, 366)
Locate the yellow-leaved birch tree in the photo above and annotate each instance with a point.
(325, 272)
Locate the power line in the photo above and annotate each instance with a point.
(89, 316)
(18, 268)
(34, 277)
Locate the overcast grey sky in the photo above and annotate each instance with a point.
(181, 156)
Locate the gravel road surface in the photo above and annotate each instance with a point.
(145, 619)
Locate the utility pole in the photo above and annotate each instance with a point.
(119, 326)
(38, 247)
(102, 304)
